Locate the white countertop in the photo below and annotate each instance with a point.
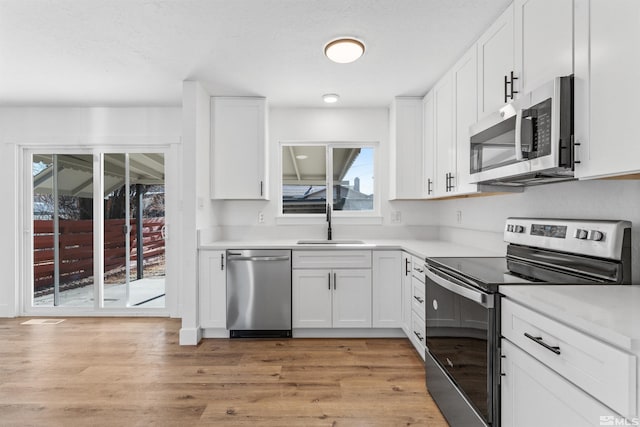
(419, 248)
(608, 312)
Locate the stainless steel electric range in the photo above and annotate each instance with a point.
(463, 303)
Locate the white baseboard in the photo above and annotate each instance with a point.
(215, 333)
(349, 333)
(190, 336)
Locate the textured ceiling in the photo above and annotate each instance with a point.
(138, 52)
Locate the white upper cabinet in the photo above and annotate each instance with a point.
(543, 41)
(465, 86)
(495, 64)
(238, 148)
(445, 149)
(606, 92)
(406, 148)
(428, 145)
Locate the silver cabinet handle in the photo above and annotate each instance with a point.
(420, 300)
(538, 340)
(221, 261)
(420, 337)
(334, 281)
(329, 280)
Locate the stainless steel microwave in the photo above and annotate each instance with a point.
(527, 142)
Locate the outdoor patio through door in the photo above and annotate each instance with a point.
(129, 220)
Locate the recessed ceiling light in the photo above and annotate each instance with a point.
(301, 156)
(344, 50)
(330, 98)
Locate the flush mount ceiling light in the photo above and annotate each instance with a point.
(302, 157)
(344, 50)
(330, 98)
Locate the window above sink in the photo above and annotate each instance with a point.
(309, 169)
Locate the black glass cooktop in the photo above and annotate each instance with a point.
(489, 273)
(484, 270)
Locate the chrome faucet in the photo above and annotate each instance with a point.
(329, 221)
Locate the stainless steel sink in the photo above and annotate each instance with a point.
(330, 242)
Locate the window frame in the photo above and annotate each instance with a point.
(373, 214)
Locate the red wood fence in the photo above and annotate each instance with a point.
(76, 247)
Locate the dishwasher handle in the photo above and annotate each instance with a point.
(232, 257)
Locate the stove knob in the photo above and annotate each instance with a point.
(518, 229)
(596, 235)
(509, 227)
(580, 234)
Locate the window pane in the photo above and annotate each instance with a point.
(304, 179)
(353, 179)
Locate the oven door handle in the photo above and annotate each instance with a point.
(474, 295)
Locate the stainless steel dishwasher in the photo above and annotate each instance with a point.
(259, 293)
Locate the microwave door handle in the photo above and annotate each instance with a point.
(519, 156)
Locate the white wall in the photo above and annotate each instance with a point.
(65, 127)
(483, 218)
(239, 219)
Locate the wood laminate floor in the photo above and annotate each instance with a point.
(132, 372)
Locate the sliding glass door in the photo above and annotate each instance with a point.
(63, 230)
(127, 221)
(134, 256)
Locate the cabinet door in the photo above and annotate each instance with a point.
(532, 395)
(406, 292)
(607, 40)
(387, 289)
(406, 148)
(428, 146)
(465, 79)
(212, 284)
(444, 140)
(352, 298)
(544, 41)
(495, 61)
(238, 162)
(311, 293)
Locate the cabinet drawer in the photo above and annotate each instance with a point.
(418, 298)
(417, 267)
(418, 336)
(331, 259)
(603, 371)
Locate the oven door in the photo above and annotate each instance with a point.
(462, 342)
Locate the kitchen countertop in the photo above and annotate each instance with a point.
(610, 313)
(419, 248)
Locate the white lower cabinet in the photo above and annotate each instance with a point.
(387, 290)
(352, 298)
(556, 375)
(533, 395)
(416, 306)
(326, 298)
(405, 278)
(312, 298)
(212, 280)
